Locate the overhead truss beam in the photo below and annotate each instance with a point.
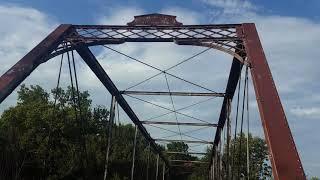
(171, 93)
(186, 161)
(186, 141)
(179, 123)
(195, 153)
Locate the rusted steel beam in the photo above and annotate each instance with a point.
(98, 70)
(172, 93)
(186, 141)
(124, 27)
(179, 123)
(186, 161)
(286, 164)
(23, 68)
(196, 153)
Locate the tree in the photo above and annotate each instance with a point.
(41, 138)
(181, 170)
(259, 165)
(179, 147)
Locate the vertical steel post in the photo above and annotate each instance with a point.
(215, 162)
(228, 168)
(212, 171)
(248, 130)
(157, 168)
(233, 80)
(110, 123)
(134, 151)
(148, 161)
(284, 157)
(163, 170)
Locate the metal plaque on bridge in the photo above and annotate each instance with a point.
(154, 20)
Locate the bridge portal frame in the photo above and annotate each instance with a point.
(241, 41)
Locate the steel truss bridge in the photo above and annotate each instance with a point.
(241, 41)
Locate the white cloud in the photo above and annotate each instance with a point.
(184, 16)
(21, 29)
(230, 7)
(231, 3)
(120, 16)
(312, 112)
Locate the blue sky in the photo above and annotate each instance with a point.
(85, 11)
(289, 31)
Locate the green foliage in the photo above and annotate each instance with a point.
(314, 178)
(44, 138)
(259, 166)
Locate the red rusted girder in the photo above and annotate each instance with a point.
(286, 164)
(22, 69)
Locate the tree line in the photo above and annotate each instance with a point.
(47, 136)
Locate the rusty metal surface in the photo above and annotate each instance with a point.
(22, 69)
(154, 20)
(89, 33)
(177, 152)
(222, 37)
(186, 161)
(286, 164)
(233, 79)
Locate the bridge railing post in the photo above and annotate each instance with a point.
(163, 170)
(157, 167)
(134, 151)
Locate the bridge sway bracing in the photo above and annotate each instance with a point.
(241, 41)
